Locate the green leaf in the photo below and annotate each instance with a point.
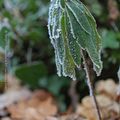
(110, 39)
(31, 74)
(72, 28)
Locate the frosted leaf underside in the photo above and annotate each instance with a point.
(72, 28)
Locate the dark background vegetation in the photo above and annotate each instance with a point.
(32, 55)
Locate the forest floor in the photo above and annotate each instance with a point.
(19, 103)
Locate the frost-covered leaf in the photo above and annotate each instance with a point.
(72, 28)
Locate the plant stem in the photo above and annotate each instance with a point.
(87, 70)
(6, 58)
(73, 95)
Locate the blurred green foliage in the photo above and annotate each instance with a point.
(32, 58)
(31, 73)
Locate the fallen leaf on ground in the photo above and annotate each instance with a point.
(108, 106)
(38, 107)
(108, 87)
(6, 118)
(11, 97)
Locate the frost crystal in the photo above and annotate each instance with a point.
(71, 28)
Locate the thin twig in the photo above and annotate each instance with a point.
(118, 91)
(113, 24)
(6, 58)
(87, 70)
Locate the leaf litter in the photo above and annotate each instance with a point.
(20, 103)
